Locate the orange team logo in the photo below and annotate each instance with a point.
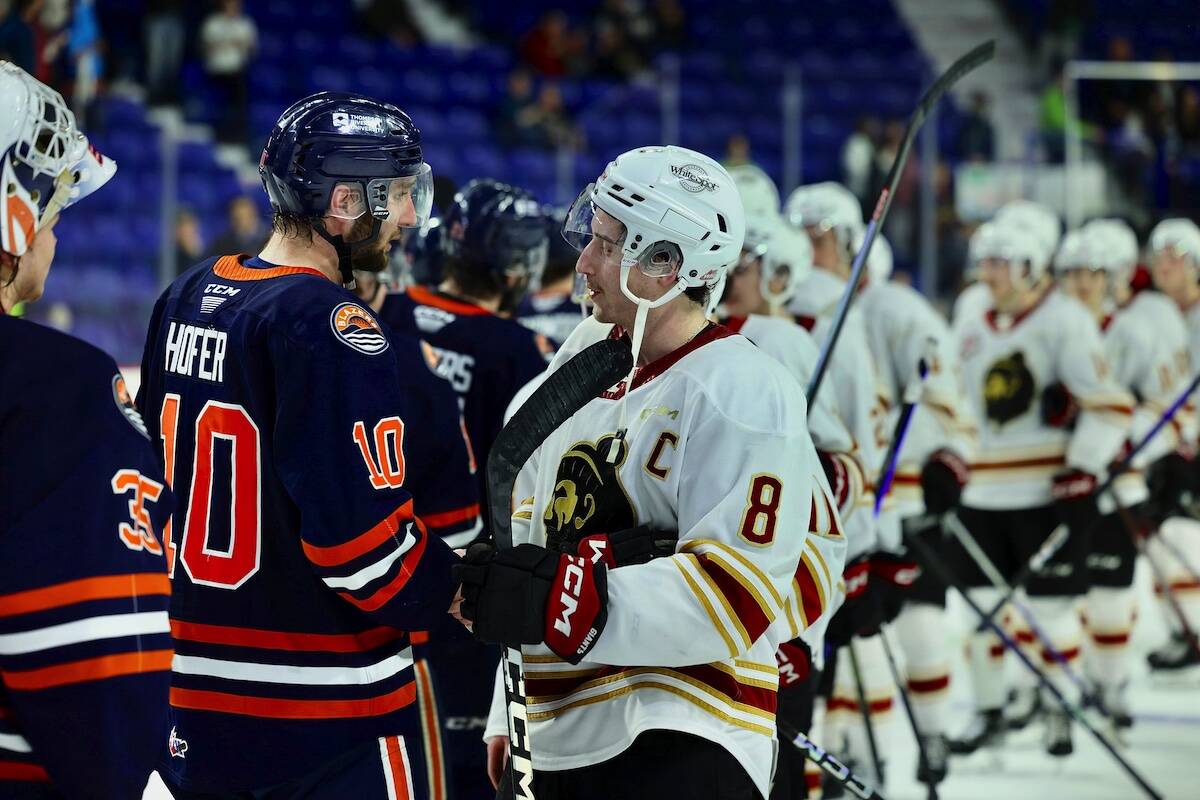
(357, 328)
(125, 405)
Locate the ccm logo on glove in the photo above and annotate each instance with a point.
(577, 592)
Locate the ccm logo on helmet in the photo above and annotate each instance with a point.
(694, 178)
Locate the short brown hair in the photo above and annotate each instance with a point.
(293, 226)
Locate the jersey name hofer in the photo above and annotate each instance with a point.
(195, 352)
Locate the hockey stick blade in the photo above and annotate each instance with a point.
(980, 55)
(855, 786)
(582, 378)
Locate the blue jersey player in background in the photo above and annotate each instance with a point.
(86, 656)
(552, 310)
(304, 443)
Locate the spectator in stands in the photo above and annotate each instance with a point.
(614, 55)
(519, 96)
(737, 151)
(901, 225)
(976, 138)
(1053, 120)
(670, 25)
(165, 38)
(546, 48)
(50, 35)
(390, 20)
(16, 36)
(84, 46)
(189, 242)
(229, 39)
(540, 123)
(247, 233)
(858, 159)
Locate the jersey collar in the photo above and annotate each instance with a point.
(993, 317)
(443, 301)
(235, 268)
(644, 374)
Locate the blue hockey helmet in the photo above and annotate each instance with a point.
(423, 254)
(330, 139)
(498, 228)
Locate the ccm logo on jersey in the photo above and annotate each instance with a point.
(356, 327)
(195, 352)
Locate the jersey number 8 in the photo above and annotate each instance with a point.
(762, 505)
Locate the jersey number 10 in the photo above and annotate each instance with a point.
(231, 566)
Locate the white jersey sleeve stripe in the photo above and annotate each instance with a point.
(288, 674)
(92, 629)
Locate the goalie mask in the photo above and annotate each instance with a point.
(46, 164)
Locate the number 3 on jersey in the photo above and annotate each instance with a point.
(230, 566)
(762, 504)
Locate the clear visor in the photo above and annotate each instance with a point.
(407, 200)
(587, 225)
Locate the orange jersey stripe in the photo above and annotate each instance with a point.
(231, 269)
(407, 565)
(432, 732)
(428, 298)
(364, 543)
(89, 669)
(445, 518)
(277, 708)
(19, 771)
(396, 760)
(284, 640)
(107, 587)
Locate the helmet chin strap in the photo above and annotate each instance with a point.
(636, 335)
(347, 250)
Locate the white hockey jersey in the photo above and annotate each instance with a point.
(902, 329)
(1191, 316)
(858, 394)
(1146, 343)
(1007, 364)
(717, 449)
(792, 346)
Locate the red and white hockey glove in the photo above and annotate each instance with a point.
(530, 595)
(794, 662)
(1074, 492)
(845, 479)
(942, 480)
(630, 546)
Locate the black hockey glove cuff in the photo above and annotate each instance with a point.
(630, 546)
(1172, 483)
(942, 480)
(1059, 408)
(530, 595)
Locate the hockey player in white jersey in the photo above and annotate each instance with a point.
(1175, 266)
(832, 218)
(1031, 475)
(659, 679)
(1145, 341)
(905, 331)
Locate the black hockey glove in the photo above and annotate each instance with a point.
(1059, 408)
(942, 480)
(1074, 494)
(862, 609)
(630, 546)
(1172, 482)
(530, 595)
(893, 576)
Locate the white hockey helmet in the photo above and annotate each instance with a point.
(1111, 245)
(681, 212)
(879, 261)
(787, 260)
(1012, 243)
(1072, 252)
(46, 164)
(758, 191)
(827, 206)
(1178, 234)
(1041, 220)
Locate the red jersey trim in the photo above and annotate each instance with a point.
(992, 315)
(735, 324)
(647, 373)
(408, 565)
(1047, 461)
(19, 771)
(275, 708)
(231, 268)
(284, 640)
(460, 307)
(336, 555)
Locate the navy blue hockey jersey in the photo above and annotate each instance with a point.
(486, 358)
(303, 443)
(85, 644)
(552, 314)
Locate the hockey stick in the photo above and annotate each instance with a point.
(954, 524)
(569, 389)
(826, 761)
(933, 560)
(891, 461)
(864, 708)
(922, 753)
(933, 94)
(1059, 535)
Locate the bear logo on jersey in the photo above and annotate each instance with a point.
(588, 495)
(1008, 388)
(125, 405)
(356, 327)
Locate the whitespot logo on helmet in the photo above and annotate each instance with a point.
(356, 327)
(694, 178)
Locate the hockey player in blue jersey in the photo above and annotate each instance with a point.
(553, 310)
(86, 656)
(305, 446)
(494, 243)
